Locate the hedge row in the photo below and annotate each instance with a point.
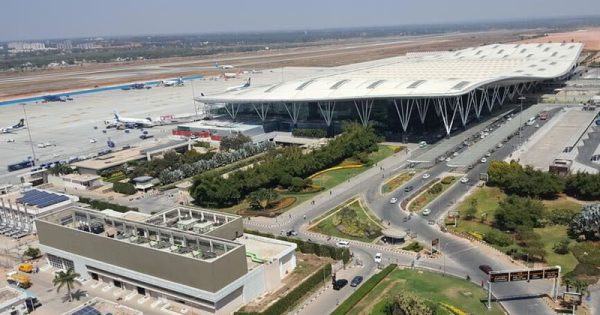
(101, 205)
(124, 188)
(283, 305)
(309, 133)
(306, 247)
(363, 290)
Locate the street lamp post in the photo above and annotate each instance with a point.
(29, 133)
(521, 98)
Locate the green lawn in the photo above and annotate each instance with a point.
(327, 180)
(328, 225)
(430, 286)
(424, 199)
(488, 199)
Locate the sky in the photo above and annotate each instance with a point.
(45, 19)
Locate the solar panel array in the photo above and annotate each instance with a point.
(41, 199)
(88, 310)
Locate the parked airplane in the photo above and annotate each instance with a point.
(217, 65)
(12, 128)
(135, 122)
(176, 82)
(239, 87)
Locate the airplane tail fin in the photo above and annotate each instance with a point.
(247, 83)
(117, 117)
(21, 123)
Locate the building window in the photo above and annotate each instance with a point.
(60, 263)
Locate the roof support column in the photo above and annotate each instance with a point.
(264, 109)
(442, 104)
(364, 112)
(404, 111)
(495, 93)
(233, 111)
(520, 88)
(422, 107)
(513, 91)
(480, 101)
(528, 85)
(327, 111)
(504, 93)
(294, 113)
(464, 108)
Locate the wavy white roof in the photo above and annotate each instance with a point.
(433, 74)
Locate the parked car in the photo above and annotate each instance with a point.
(377, 258)
(408, 188)
(486, 269)
(426, 211)
(426, 176)
(342, 244)
(339, 284)
(356, 281)
(393, 200)
(464, 180)
(483, 160)
(291, 233)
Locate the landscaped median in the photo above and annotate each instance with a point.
(436, 189)
(397, 181)
(363, 290)
(350, 220)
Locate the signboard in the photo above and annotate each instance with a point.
(551, 273)
(499, 277)
(435, 242)
(519, 276)
(525, 275)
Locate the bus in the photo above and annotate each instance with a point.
(20, 165)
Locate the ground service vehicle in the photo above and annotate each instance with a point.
(26, 267)
(18, 279)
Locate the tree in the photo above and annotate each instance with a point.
(234, 142)
(61, 169)
(517, 211)
(66, 279)
(586, 225)
(124, 188)
(262, 198)
(583, 186)
(32, 252)
(498, 238)
(296, 184)
(471, 211)
(436, 188)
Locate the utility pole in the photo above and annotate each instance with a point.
(29, 133)
(489, 306)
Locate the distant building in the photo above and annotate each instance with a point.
(12, 301)
(66, 45)
(25, 46)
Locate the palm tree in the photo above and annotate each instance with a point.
(567, 282)
(68, 279)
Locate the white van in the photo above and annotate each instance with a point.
(531, 121)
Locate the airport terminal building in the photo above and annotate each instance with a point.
(443, 88)
(189, 256)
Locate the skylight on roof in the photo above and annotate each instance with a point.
(273, 87)
(338, 84)
(375, 84)
(415, 84)
(547, 48)
(523, 50)
(305, 84)
(460, 85)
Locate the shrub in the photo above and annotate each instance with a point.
(363, 290)
(124, 188)
(414, 246)
(293, 297)
(562, 247)
(498, 238)
(32, 252)
(562, 216)
(436, 188)
(447, 180)
(309, 133)
(586, 224)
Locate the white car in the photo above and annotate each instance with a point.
(426, 176)
(92, 140)
(448, 159)
(377, 258)
(455, 154)
(393, 200)
(342, 244)
(483, 160)
(488, 154)
(426, 212)
(10, 140)
(464, 180)
(422, 144)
